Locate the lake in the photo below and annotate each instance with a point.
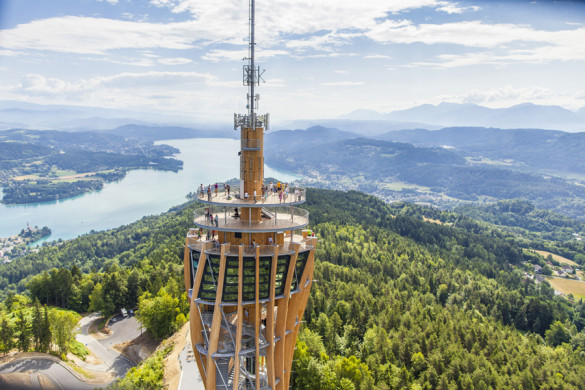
(141, 192)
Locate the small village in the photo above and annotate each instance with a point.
(18, 245)
(566, 277)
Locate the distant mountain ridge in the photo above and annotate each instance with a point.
(365, 128)
(526, 115)
(155, 133)
(31, 116)
(276, 142)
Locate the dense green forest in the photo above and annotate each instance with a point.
(28, 326)
(398, 302)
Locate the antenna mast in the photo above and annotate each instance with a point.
(252, 75)
(251, 97)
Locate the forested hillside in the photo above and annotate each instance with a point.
(442, 167)
(39, 166)
(398, 302)
(431, 305)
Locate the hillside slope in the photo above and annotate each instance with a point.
(398, 302)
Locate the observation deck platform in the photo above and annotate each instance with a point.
(213, 248)
(274, 219)
(295, 196)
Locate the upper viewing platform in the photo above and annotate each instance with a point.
(268, 197)
(276, 219)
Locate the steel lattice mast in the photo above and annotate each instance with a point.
(248, 265)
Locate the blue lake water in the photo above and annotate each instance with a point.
(140, 193)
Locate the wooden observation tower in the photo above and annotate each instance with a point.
(250, 272)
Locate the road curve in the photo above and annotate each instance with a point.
(112, 360)
(125, 329)
(57, 372)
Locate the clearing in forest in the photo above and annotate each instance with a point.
(432, 220)
(568, 286)
(558, 258)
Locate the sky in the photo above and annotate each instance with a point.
(322, 58)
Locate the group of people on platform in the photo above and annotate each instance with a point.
(210, 218)
(212, 190)
(282, 190)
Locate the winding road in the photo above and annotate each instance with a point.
(63, 377)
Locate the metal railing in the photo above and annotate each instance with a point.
(226, 218)
(291, 194)
(214, 248)
(195, 243)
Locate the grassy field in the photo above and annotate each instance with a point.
(432, 220)
(568, 286)
(558, 258)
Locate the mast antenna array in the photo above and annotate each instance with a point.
(252, 76)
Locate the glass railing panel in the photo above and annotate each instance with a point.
(269, 195)
(223, 217)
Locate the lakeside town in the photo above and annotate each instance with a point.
(18, 245)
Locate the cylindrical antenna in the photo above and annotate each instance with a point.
(252, 65)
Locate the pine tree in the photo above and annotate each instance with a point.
(37, 324)
(24, 335)
(45, 334)
(6, 336)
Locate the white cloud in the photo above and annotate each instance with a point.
(290, 23)
(174, 61)
(87, 35)
(502, 43)
(506, 93)
(342, 83)
(454, 8)
(556, 46)
(38, 84)
(376, 56)
(234, 55)
(10, 53)
(109, 1)
(142, 62)
(321, 42)
(469, 33)
(219, 21)
(508, 96)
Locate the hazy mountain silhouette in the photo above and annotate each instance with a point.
(526, 115)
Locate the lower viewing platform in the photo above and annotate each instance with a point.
(212, 247)
(274, 219)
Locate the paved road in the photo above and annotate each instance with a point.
(61, 377)
(112, 359)
(125, 329)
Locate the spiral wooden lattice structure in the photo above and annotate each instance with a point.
(250, 273)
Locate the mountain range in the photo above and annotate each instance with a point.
(526, 115)
(22, 115)
(365, 122)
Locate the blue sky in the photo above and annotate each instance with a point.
(323, 58)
